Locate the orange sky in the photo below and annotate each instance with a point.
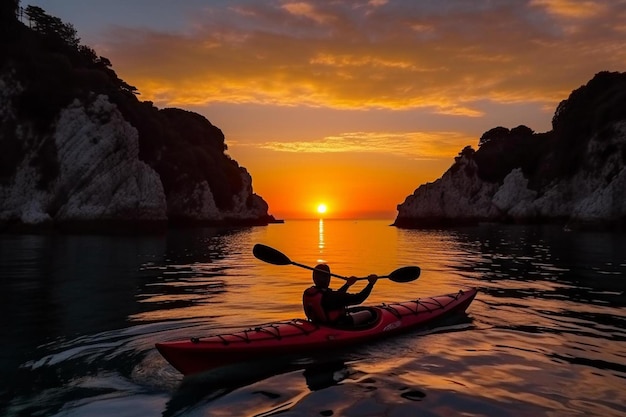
(353, 103)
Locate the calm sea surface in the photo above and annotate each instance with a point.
(546, 335)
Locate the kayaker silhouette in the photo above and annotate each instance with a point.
(325, 305)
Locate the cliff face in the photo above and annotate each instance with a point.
(78, 148)
(201, 183)
(84, 169)
(574, 174)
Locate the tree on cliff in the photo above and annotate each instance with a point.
(502, 150)
(590, 108)
(51, 26)
(549, 156)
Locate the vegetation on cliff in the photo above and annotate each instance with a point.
(543, 157)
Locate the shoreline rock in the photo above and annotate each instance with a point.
(84, 174)
(79, 151)
(574, 175)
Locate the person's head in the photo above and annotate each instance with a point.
(321, 276)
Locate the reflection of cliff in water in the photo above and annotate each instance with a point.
(81, 284)
(70, 284)
(579, 266)
(187, 275)
(545, 280)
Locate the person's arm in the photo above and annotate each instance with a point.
(358, 298)
(349, 282)
(338, 300)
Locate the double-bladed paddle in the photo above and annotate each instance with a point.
(276, 257)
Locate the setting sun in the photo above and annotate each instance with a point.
(321, 208)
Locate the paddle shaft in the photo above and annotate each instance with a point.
(331, 274)
(276, 257)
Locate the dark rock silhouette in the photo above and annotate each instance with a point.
(78, 148)
(573, 174)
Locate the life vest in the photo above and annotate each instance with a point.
(312, 302)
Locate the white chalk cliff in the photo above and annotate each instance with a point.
(86, 168)
(573, 174)
(99, 176)
(195, 202)
(79, 150)
(595, 194)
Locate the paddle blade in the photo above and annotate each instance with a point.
(270, 255)
(405, 274)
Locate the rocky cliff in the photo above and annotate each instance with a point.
(78, 149)
(574, 174)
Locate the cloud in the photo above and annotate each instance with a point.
(309, 11)
(439, 56)
(572, 8)
(414, 145)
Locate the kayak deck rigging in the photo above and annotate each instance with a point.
(275, 332)
(417, 303)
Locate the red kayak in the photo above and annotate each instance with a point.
(301, 336)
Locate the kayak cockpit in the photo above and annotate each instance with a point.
(355, 322)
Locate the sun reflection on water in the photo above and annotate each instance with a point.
(320, 243)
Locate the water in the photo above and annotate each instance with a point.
(546, 335)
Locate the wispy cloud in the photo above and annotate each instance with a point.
(309, 11)
(442, 56)
(572, 8)
(414, 145)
